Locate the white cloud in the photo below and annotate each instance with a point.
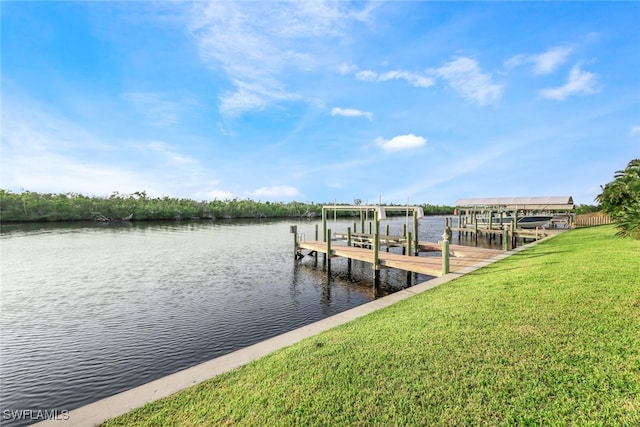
(543, 63)
(255, 43)
(345, 68)
(635, 131)
(367, 75)
(276, 191)
(465, 76)
(413, 79)
(350, 112)
(213, 194)
(400, 142)
(579, 82)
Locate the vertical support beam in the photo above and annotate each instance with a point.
(505, 237)
(447, 228)
(386, 232)
(406, 238)
(294, 231)
(328, 240)
(361, 221)
(370, 226)
(445, 255)
(324, 224)
(376, 247)
(409, 244)
(475, 225)
(348, 236)
(355, 228)
(316, 239)
(415, 232)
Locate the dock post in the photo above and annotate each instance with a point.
(416, 247)
(386, 232)
(376, 249)
(406, 238)
(348, 236)
(409, 242)
(505, 238)
(294, 230)
(328, 237)
(355, 228)
(447, 228)
(316, 239)
(324, 224)
(475, 227)
(445, 255)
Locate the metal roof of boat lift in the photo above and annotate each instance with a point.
(533, 203)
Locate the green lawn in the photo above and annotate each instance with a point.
(548, 336)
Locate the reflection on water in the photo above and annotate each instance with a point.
(89, 310)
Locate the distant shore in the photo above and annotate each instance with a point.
(38, 207)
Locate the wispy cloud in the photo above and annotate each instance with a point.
(276, 191)
(579, 83)
(543, 63)
(635, 131)
(465, 77)
(45, 152)
(400, 142)
(350, 112)
(256, 43)
(346, 68)
(159, 109)
(413, 79)
(168, 154)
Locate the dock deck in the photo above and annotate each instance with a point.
(460, 256)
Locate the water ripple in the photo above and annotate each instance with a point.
(90, 311)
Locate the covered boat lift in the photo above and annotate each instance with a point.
(503, 204)
(518, 212)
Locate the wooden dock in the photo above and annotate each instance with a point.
(459, 256)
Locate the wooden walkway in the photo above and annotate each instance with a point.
(460, 256)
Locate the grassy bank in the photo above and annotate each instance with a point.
(548, 336)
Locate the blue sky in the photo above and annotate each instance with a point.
(394, 101)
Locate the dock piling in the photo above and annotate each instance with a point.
(445, 254)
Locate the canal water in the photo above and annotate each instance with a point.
(88, 310)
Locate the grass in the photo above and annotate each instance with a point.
(548, 336)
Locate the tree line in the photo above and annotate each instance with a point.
(29, 206)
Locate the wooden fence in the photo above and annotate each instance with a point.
(592, 219)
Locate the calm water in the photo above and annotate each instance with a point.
(90, 310)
